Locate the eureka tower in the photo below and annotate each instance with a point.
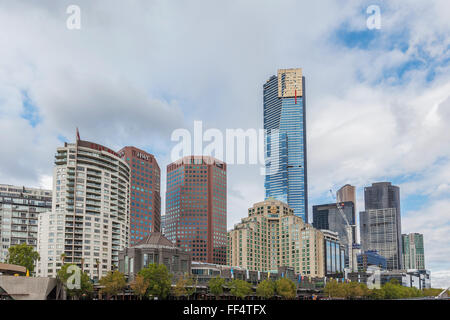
(285, 145)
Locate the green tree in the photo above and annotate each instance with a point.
(392, 290)
(353, 290)
(159, 280)
(23, 255)
(114, 282)
(86, 286)
(180, 287)
(266, 289)
(215, 286)
(334, 289)
(286, 288)
(191, 285)
(139, 286)
(240, 288)
(376, 294)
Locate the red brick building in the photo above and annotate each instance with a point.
(196, 207)
(145, 196)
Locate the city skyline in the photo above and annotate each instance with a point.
(377, 100)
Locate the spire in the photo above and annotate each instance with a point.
(78, 135)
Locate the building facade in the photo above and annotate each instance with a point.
(383, 195)
(90, 217)
(145, 196)
(334, 255)
(196, 207)
(371, 258)
(273, 236)
(379, 232)
(285, 147)
(327, 217)
(154, 249)
(346, 193)
(19, 211)
(413, 251)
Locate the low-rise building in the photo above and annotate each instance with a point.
(157, 249)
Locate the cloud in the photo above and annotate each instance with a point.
(377, 104)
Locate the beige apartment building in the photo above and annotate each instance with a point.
(272, 236)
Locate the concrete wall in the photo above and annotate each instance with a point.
(27, 288)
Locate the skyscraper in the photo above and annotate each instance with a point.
(380, 223)
(347, 193)
(196, 207)
(19, 211)
(145, 197)
(89, 220)
(285, 125)
(413, 251)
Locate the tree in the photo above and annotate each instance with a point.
(139, 286)
(159, 280)
(376, 294)
(266, 289)
(286, 288)
(216, 286)
(240, 288)
(23, 255)
(86, 286)
(334, 289)
(191, 285)
(180, 287)
(114, 282)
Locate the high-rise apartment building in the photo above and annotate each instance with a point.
(272, 236)
(413, 251)
(285, 125)
(145, 196)
(378, 198)
(19, 210)
(328, 217)
(90, 216)
(196, 207)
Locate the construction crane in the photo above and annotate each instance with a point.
(349, 234)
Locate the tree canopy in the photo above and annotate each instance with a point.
(286, 288)
(266, 289)
(216, 285)
(240, 288)
(139, 286)
(159, 280)
(23, 255)
(114, 282)
(390, 290)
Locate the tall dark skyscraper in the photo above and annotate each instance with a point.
(196, 207)
(285, 124)
(380, 223)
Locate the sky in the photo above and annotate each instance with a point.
(378, 100)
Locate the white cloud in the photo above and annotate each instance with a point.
(134, 73)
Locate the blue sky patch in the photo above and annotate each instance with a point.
(30, 111)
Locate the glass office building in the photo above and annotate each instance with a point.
(285, 148)
(413, 251)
